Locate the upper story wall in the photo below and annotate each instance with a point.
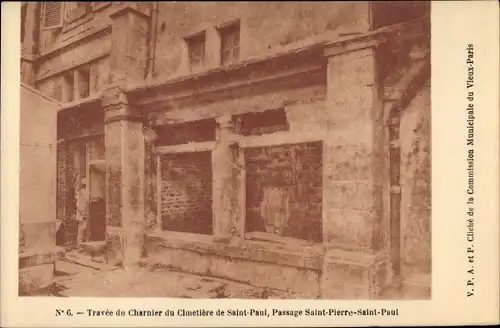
(81, 48)
(78, 17)
(75, 53)
(264, 26)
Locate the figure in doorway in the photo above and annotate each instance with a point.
(82, 204)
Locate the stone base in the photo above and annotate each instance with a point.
(39, 234)
(117, 253)
(33, 279)
(353, 275)
(278, 267)
(114, 247)
(36, 269)
(304, 270)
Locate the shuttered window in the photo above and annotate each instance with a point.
(53, 15)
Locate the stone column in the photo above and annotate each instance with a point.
(223, 163)
(129, 39)
(124, 153)
(124, 142)
(353, 166)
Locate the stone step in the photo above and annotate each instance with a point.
(93, 247)
(95, 262)
(39, 256)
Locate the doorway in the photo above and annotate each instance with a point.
(97, 200)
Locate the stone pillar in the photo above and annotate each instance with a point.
(353, 161)
(29, 43)
(124, 153)
(77, 85)
(223, 162)
(129, 40)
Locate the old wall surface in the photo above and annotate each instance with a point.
(37, 166)
(264, 25)
(416, 184)
(38, 156)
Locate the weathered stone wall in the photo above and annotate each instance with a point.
(416, 184)
(186, 192)
(264, 26)
(51, 87)
(37, 157)
(37, 213)
(351, 192)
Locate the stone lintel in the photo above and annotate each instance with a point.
(414, 31)
(224, 121)
(128, 7)
(350, 45)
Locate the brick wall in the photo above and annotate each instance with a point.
(186, 192)
(298, 168)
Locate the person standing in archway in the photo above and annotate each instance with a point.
(82, 204)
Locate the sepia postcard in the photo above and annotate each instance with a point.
(225, 164)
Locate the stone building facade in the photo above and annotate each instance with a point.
(182, 116)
